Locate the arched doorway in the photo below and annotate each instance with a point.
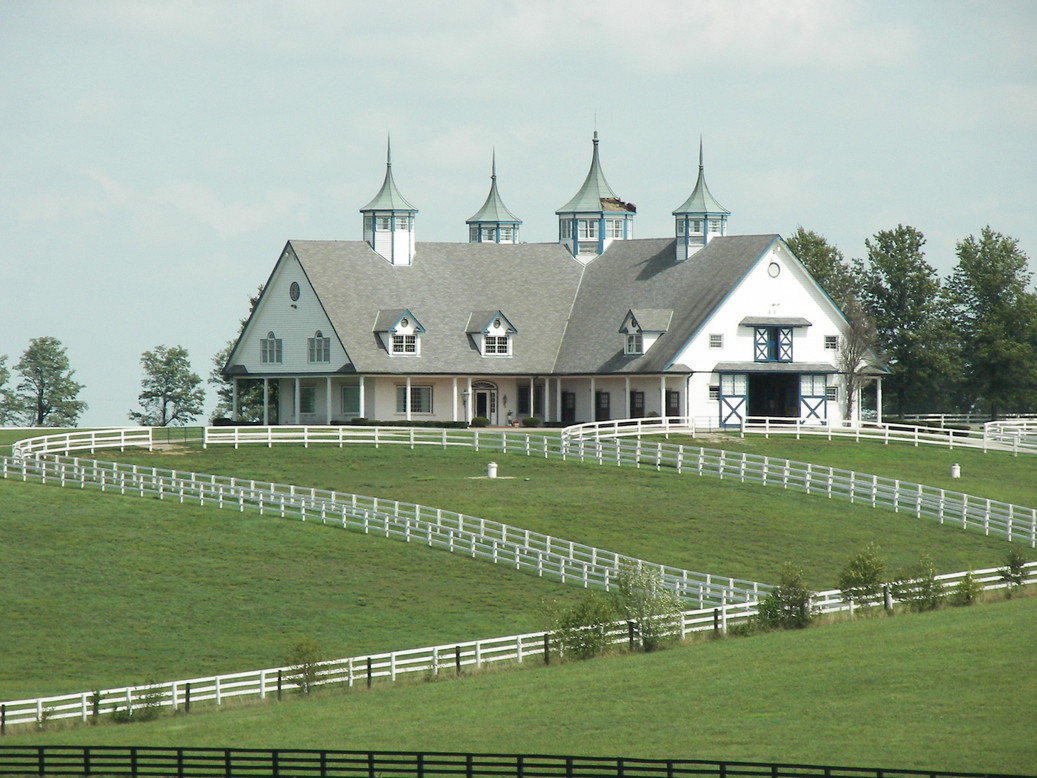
(485, 402)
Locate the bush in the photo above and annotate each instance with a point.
(1014, 571)
(582, 631)
(479, 421)
(787, 606)
(861, 580)
(639, 597)
(531, 421)
(919, 587)
(303, 659)
(967, 591)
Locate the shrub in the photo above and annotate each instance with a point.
(861, 580)
(479, 421)
(582, 631)
(531, 421)
(303, 659)
(787, 606)
(639, 597)
(967, 591)
(1014, 571)
(919, 587)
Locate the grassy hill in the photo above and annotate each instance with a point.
(103, 590)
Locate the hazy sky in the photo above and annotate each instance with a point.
(155, 156)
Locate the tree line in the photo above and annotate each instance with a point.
(966, 343)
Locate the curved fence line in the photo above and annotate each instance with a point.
(434, 662)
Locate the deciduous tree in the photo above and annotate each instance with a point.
(170, 393)
(995, 314)
(902, 294)
(825, 263)
(47, 395)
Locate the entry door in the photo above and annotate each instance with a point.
(568, 408)
(602, 411)
(486, 404)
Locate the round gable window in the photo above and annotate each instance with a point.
(293, 291)
(773, 269)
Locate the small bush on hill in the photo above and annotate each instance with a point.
(861, 580)
(918, 587)
(788, 604)
(640, 598)
(1014, 571)
(582, 630)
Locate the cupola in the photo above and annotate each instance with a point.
(389, 220)
(595, 216)
(493, 223)
(700, 219)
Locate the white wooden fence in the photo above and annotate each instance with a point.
(449, 660)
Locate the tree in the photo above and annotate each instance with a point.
(582, 631)
(825, 263)
(902, 294)
(47, 395)
(170, 393)
(858, 344)
(250, 392)
(995, 315)
(9, 407)
(861, 580)
(787, 606)
(640, 598)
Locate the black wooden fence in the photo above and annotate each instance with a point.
(292, 763)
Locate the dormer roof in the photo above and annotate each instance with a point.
(391, 320)
(596, 195)
(389, 197)
(481, 322)
(648, 319)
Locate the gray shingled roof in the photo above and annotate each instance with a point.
(566, 314)
(634, 274)
(532, 284)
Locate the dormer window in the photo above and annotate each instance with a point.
(400, 332)
(635, 344)
(491, 332)
(404, 344)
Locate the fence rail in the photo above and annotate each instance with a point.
(275, 763)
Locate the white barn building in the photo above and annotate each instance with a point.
(598, 325)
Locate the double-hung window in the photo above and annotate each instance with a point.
(420, 399)
(635, 344)
(270, 350)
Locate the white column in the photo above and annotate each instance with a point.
(295, 400)
(406, 400)
(558, 399)
(531, 408)
(662, 394)
(626, 394)
(235, 412)
(453, 400)
(878, 400)
(471, 402)
(328, 398)
(594, 401)
(266, 402)
(363, 399)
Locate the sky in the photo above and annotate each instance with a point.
(155, 156)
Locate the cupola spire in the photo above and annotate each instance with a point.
(701, 218)
(595, 216)
(493, 223)
(389, 219)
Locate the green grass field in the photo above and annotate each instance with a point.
(103, 590)
(949, 690)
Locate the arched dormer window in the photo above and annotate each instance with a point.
(318, 348)
(270, 350)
